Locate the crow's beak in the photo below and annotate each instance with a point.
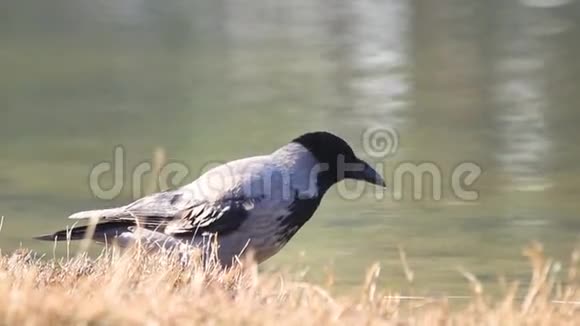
(365, 172)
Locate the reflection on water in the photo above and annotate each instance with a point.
(376, 50)
(492, 82)
(522, 103)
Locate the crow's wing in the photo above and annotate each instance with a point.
(203, 206)
(175, 212)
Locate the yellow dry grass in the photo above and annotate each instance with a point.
(133, 288)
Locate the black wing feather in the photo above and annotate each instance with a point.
(219, 218)
(169, 212)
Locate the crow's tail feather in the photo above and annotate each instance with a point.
(103, 231)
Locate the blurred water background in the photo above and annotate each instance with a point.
(492, 82)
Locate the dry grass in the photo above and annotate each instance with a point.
(133, 288)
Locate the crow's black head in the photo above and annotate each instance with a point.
(338, 161)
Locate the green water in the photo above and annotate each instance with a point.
(495, 83)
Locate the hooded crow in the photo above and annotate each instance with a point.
(255, 203)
